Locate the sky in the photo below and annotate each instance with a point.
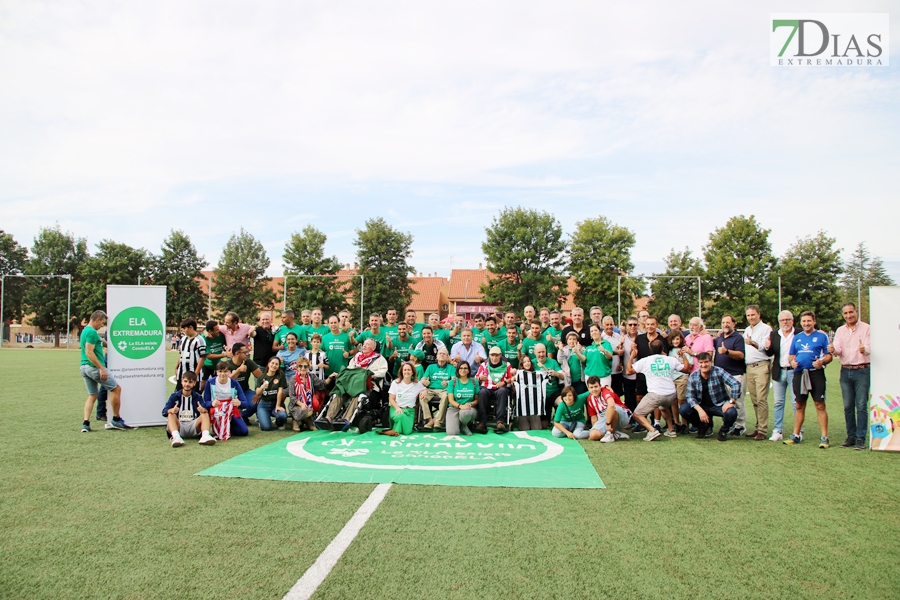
(123, 121)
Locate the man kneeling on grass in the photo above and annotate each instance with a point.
(607, 412)
(708, 398)
(187, 415)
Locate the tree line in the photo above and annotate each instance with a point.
(526, 250)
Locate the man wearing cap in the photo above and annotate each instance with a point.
(494, 376)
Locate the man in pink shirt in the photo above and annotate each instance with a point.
(851, 347)
(697, 341)
(235, 331)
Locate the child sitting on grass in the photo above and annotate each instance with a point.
(569, 418)
(187, 414)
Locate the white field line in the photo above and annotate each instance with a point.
(307, 585)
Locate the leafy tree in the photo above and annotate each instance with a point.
(53, 253)
(861, 272)
(809, 273)
(526, 257)
(383, 256)
(678, 296)
(739, 269)
(240, 282)
(113, 264)
(599, 253)
(178, 267)
(305, 255)
(13, 260)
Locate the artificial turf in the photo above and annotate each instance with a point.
(115, 514)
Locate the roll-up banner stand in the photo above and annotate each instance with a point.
(884, 399)
(136, 343)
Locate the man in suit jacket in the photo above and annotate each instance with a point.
(779, 346)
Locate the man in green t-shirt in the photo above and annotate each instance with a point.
(437, 379)
(491, 336)
(510, 348)
(478, 328)
(215, 351)
(415, 329)
(374, 332)
(337, 347)
(533, 339)
(403, 345)
(434, 321)
(553, 334)
(95, 375)
(509, 322)
(288, 325)
(315, 326)
(390, 324)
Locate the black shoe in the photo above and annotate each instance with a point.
(480, 428)
(639, 429)
(737, 432)
(860, 444)
(692, 429)
(848, 443)
(723, 435)
(701, 433)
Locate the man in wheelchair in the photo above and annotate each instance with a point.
(365, 375)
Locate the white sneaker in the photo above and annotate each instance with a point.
(608, 437)
(620, 435)
(176, 440)
(670, 433)
(206, 439)
(652, 435)
(776, 436)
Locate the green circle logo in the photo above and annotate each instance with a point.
(136, 333)
(426, 452)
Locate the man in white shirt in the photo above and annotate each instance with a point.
(779, 346)
(756, 381)
(660, 371)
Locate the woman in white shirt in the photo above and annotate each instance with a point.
(403, 394)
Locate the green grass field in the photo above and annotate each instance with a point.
(115, 514)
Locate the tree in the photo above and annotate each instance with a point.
(861, 272)
(600, 252)
(739, 268)
(113, 264)
(383, 256)
(241, 284)
(13, 261)
(526, 258)
(304, 254)
(53, 253)
(676, 296)
(809, 273)
(178, 267)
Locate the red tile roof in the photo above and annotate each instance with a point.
(460, 290)
(428, 293)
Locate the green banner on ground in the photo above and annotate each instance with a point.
(518, 459)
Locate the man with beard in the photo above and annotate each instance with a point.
(729, 350)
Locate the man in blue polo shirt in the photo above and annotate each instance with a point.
(809, 355)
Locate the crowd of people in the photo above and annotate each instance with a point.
(596, 380)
